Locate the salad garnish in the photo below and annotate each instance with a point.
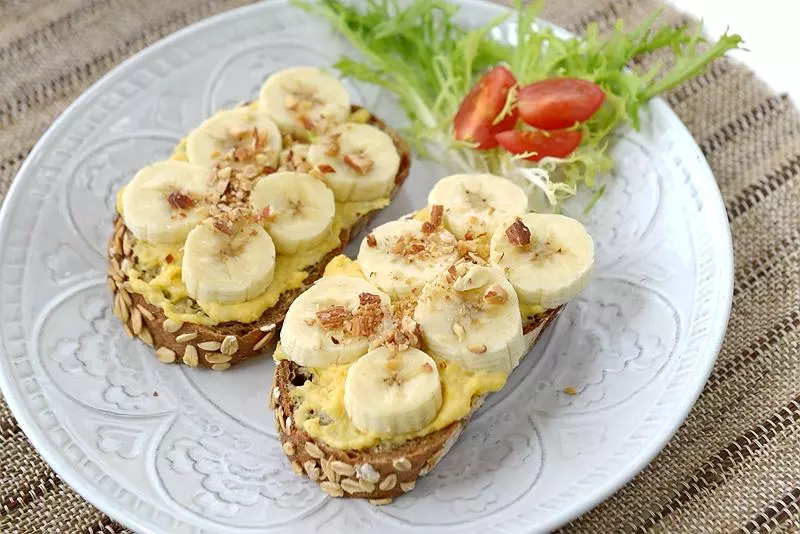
(540, 110)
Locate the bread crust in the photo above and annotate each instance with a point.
(377, 473)
(206, 346)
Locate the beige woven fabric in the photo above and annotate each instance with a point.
(732, 467)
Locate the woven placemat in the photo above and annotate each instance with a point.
(732, 467)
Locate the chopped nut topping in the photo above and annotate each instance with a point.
(459, 331)
(224, 173)
(495, 294)
(324, 168)
(518, 234)
(332, 317)
(267, 214)
(472, 279)
(478, 348)
(358, 162)
(452, 274)
(180, 201)
(437, 211)
(169, 258)
(367, 318)
(411, 247)
(332, 150)
(371, 241)
(428, 227)
(365, 299)
(223, 225)
(427, 368)
(307, 122)
(363, 322)
(229, 220)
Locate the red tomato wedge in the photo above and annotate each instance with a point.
(559, 143)
(559, 102)
(473, 121)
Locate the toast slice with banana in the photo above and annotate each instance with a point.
(212, 245)
(382, 362)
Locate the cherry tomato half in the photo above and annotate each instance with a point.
(482, 105)
(558, 143)
(559, 103)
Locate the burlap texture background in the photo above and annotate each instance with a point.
(734, 466)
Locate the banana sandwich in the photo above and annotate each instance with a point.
(383, 360)
(212, 245)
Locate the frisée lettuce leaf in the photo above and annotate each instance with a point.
(419, 52)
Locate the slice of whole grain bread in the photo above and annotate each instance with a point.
(220, 346)
(379, 473)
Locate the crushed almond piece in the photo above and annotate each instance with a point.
(224, 226)
(242, 154)
(324, 168)
(365, 299)
(452, 274)
(169, 258)
(437, 210)
(307, 122)
(267, 214)
(371, 241)
(459, 331)
(332, 150)
(571, 391)
(518, 234)
(495, 294)
(478, 348)
(367, 318)
(332, 317)
(180, 201)
(427, 368)
(358, 162)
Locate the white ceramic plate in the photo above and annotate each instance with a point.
(170, 449)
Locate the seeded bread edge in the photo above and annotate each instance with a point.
(206, 346)
(379, 473)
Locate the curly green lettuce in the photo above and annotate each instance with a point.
(419, 53)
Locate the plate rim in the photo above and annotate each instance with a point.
(58, 462)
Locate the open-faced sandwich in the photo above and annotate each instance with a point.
(211, 246)
(383, 360)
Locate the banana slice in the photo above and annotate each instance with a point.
(548, 258)
(358, 161)
(390, 393)
(470, 315)
(165, 200)
(235, 138)
(234, 265)
(474, 204)
(400, 258)
(297, 210)
(333, 321)
(303, 99)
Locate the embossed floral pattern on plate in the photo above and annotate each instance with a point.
(167, 449)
